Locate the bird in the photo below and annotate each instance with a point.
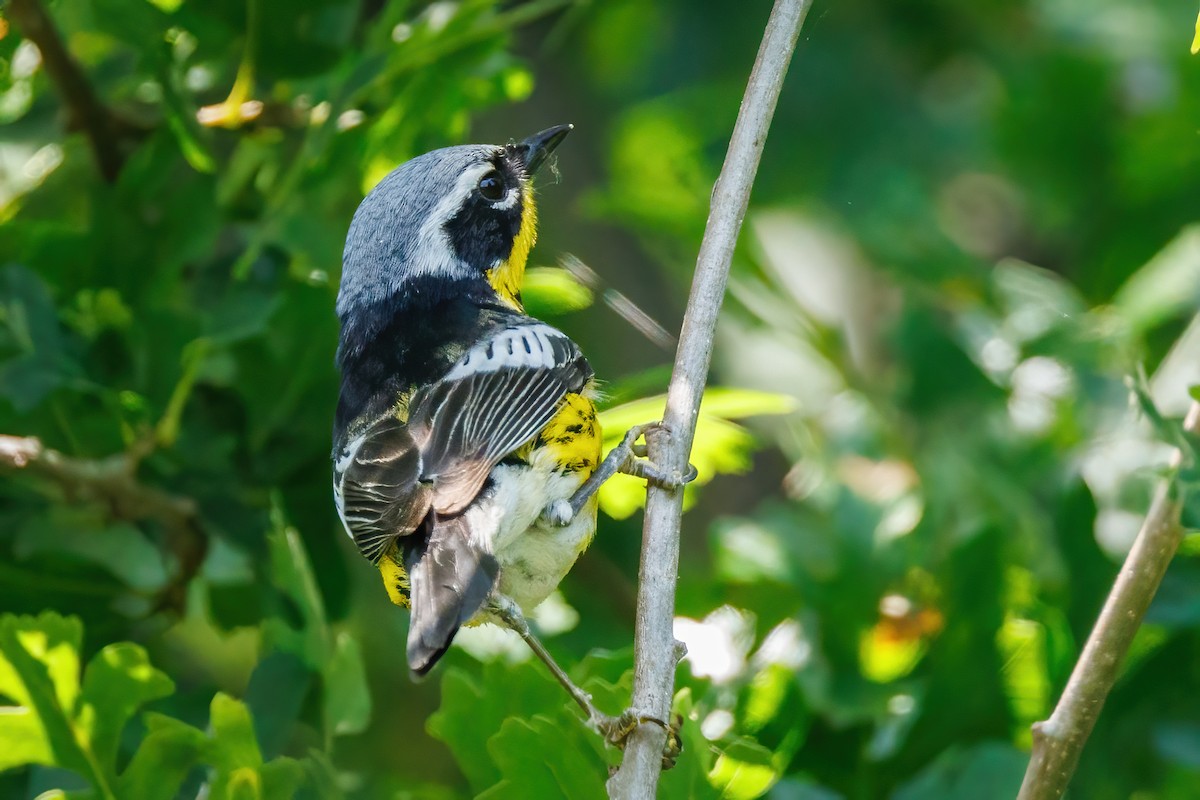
(466, 445)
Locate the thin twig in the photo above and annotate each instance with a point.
(1058, 741)
(625, 308)
(670, 446)
(105, 131)
(112, 483)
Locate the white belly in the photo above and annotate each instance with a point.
(533, 556)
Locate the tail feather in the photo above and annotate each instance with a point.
(450, 580)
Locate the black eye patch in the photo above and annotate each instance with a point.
(491, 187)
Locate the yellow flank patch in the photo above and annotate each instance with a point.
(506, 276)
(395, 579)
(572, 439)
(400, 407)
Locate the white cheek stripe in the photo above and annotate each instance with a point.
(434, 254)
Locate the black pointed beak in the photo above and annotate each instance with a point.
(536, 148)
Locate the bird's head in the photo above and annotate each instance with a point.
(446, 221)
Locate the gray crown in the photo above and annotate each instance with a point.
(397, 232)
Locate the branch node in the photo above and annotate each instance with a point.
(112, 483)
(1059, 740)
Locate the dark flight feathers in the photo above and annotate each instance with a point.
(411, 481)
(450, 581)
(474, 422)
(382, 493)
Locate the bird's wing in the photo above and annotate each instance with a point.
(378, 486)
(494, 400)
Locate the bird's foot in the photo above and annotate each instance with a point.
(558, 514)
(667, 479)
(617, 730)
(633, 460)
(627, 457)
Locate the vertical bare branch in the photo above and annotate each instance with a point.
(1058, 741)
(654, 667)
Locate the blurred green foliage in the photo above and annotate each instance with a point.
(972, 222)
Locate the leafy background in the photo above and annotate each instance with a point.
(972, 223)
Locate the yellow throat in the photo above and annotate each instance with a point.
(506, 276)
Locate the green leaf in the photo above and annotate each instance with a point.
(1167, 286)
(33, 359)
(22, 739)
(745, 551)
(659, 179)
(744, 770)
(987, 771)
(180, 114)
(550, 290)
(520, 751)
(292, 573)
(243, 313)
(1168, 431)
(472, 710)
(323, 777)
(235, 746)
(172, 749)
(278, 688)
(116, 683)
(118, 548)
(347, 699)
(161, 764)
(281, 778)
(607, 675)
(765, 696)
(58, 722)
(721, 402)
(241, 773)
(803, 787)
(727, 402)
(1036, 300)
(39, 671)
(1022, 643)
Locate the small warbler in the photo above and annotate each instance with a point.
(466, 447)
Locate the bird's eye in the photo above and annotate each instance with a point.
(491, 187)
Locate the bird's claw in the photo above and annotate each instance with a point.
(637, 464)
(616, 731)
(667, 479)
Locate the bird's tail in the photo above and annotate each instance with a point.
(450, 580)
